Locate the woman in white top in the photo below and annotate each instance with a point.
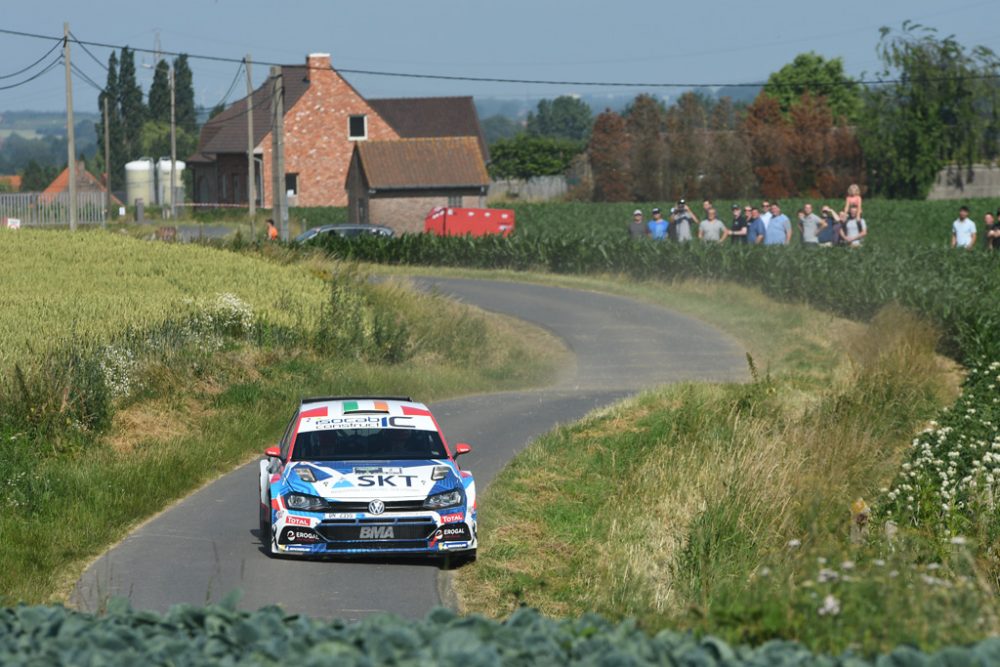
(854, 229)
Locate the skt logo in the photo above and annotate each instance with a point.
(377, 533)
(386, 480)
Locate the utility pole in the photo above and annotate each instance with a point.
(251, 171)
(70, 132)
(107, 166)
(173, 149)
(279, 209)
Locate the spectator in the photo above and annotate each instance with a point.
(707, 204)
(682, 222)
(637, 229)
(963, 230)
(765, 212)
(272, 231)
(740, 222)
(658, 227)
(778, 230)
(853, 198)
(755, 227)
(810, 226)
(992, 231)
(855, 228)
(829, 235)
(711, 228)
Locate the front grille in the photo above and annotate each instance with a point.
(385, 531)
(390, 506)
(388, 545)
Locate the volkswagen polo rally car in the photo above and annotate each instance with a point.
(366, 475)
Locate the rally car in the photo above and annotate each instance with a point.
(357, 476)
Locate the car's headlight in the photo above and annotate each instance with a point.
(303, 501)
(447, 499)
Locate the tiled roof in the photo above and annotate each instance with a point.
(418, 117)
(85, 182)
(226, 132)
(416, 164)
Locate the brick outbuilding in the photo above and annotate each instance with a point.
(396, 183)
(325, 117)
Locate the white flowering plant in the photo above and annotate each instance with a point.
(948, 483)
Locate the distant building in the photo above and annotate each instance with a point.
(397, 182)
(85, 182)
(325, 117)
(11, 183)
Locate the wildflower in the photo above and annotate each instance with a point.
(764, 572)
(847, 565)
(958, 540)
(879, 562)
(826, 574)
(794, 544)
(831, 606)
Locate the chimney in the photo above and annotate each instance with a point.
(318, 61)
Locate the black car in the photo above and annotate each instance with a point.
(344, 229)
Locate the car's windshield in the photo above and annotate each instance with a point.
(368, 444)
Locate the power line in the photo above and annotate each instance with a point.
(546, 82)
(76, 40)
(85, 78)
(229, 91)
(22, 71)
(38, 74)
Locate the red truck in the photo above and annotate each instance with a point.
(451, 221)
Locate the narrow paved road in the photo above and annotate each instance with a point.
(207, 546)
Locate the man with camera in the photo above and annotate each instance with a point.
(683, 221)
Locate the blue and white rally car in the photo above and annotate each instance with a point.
(366, 475)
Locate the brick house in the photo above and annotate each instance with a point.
(324, 118)
(85, 182)
(395, 183)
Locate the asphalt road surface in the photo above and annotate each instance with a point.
(207, 546)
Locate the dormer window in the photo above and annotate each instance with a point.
(357, 127)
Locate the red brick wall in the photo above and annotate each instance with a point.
(316, 131)
(406, 214)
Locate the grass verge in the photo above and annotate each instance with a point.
(681, 504)
(177, 415)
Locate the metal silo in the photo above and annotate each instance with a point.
(139, 181)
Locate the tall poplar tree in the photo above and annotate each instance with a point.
(159, 94)
(111, 93)
(133, 111)
(645, 122)
(187, 118)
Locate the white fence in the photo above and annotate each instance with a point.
(34, 209)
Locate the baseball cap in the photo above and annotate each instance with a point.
(637, 212)
(656, 210)
(681, 201)
(736, 207)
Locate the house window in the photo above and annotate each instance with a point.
(292, 184)
(357, 127)
(455, 201)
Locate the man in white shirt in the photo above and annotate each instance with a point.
(963, 230)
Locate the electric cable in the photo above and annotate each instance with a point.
(25, 69)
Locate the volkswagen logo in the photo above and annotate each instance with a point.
(376, 507)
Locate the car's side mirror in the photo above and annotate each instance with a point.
(273, 452)
(462, 448)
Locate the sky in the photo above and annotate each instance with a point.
(624, 41)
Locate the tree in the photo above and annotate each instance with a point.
(159, 94)
(645, 124)
(186, 114)
(526, 156)
(132, 110)
(500, 127)
(36, 177)
(687, 148)
(940, 109)
(811, 73)
(767, 133)
(565, 117)
(729, 170)
(111, 93)
(609, 150)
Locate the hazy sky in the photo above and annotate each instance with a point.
(584, 40)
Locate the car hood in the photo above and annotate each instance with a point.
(359, 480)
